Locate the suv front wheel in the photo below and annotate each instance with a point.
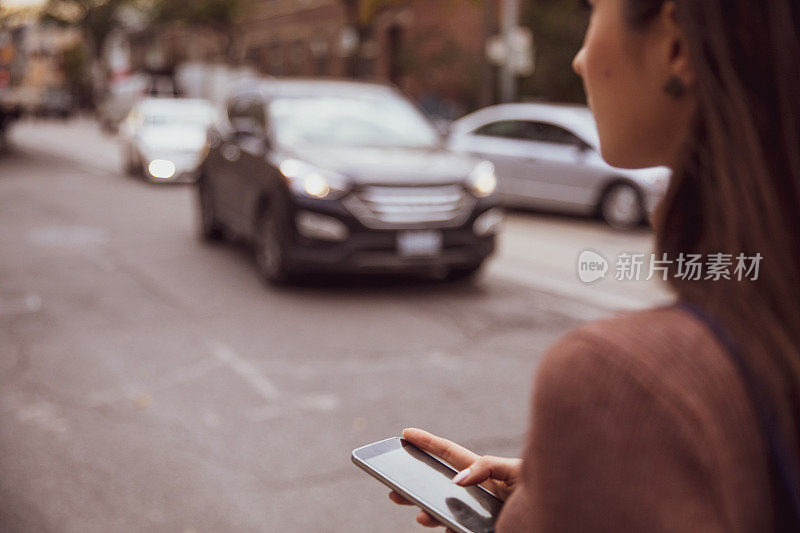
(271, 247)
(210, 227)
(464, 273)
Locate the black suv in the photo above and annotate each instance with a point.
(343, 176)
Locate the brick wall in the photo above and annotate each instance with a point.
(432, 49)
(294, 37)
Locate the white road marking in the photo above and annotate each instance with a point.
(177, 377)
(324, 403)
(278, 403)
(248, 372)
(542, 253)
(69, 236)
(20, 305)
(44, 415)
(568, 289)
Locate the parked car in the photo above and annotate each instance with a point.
(547, 157)
(124, 93)
(344, 176)
(56, 102)
(164, 139)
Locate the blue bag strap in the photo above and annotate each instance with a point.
(783, 462)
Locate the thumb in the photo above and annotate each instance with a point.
(489, 467)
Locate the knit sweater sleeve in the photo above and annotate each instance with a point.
(611, 447)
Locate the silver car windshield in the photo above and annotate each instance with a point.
(353, 121)
(200, 118)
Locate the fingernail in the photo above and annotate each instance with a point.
(461, 476)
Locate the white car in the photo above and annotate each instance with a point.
(164, 139)
(546, 157)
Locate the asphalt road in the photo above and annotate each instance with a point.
(149, 382)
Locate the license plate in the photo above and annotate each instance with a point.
(419, 243)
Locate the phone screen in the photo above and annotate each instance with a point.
(428, 480)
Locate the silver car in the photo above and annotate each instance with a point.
(546, 157)
(164, 139)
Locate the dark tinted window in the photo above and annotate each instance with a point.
(525, 130)
(512, 129)
(248, 109)
(548, 133)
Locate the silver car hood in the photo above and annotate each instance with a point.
(169, 139)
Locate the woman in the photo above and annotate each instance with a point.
(683, 418)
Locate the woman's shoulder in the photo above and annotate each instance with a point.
(661, 338)
(665, 352)
(645, 337)
(639, 420)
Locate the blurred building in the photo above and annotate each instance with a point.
(32, 61)
(435, 51)
(32, 53)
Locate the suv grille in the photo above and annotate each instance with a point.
(385, 207)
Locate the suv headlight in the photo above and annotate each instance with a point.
(481, 181)
(307, 180)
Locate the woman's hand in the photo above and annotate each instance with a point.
(496, 474)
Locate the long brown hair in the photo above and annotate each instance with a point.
(737, 187)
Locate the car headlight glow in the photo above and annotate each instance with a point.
(307, 180)
(315, 185)
(161, 168)
(482, 180)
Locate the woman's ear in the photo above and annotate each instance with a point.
(674, 50)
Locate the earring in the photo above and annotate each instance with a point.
(675, 87)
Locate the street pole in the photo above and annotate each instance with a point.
(351, 26)
(488, 90)
(508, 78)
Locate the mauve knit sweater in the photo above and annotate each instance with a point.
(641, 423)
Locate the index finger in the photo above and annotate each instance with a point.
(450, 452)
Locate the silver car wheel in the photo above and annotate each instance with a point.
(621, 206)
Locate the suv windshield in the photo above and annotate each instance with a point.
(350, 120)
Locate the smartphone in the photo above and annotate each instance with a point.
(424, 480)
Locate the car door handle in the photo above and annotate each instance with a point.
(231, 152)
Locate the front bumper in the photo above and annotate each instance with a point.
(187, 167)
(376, 250)
(182, 176)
